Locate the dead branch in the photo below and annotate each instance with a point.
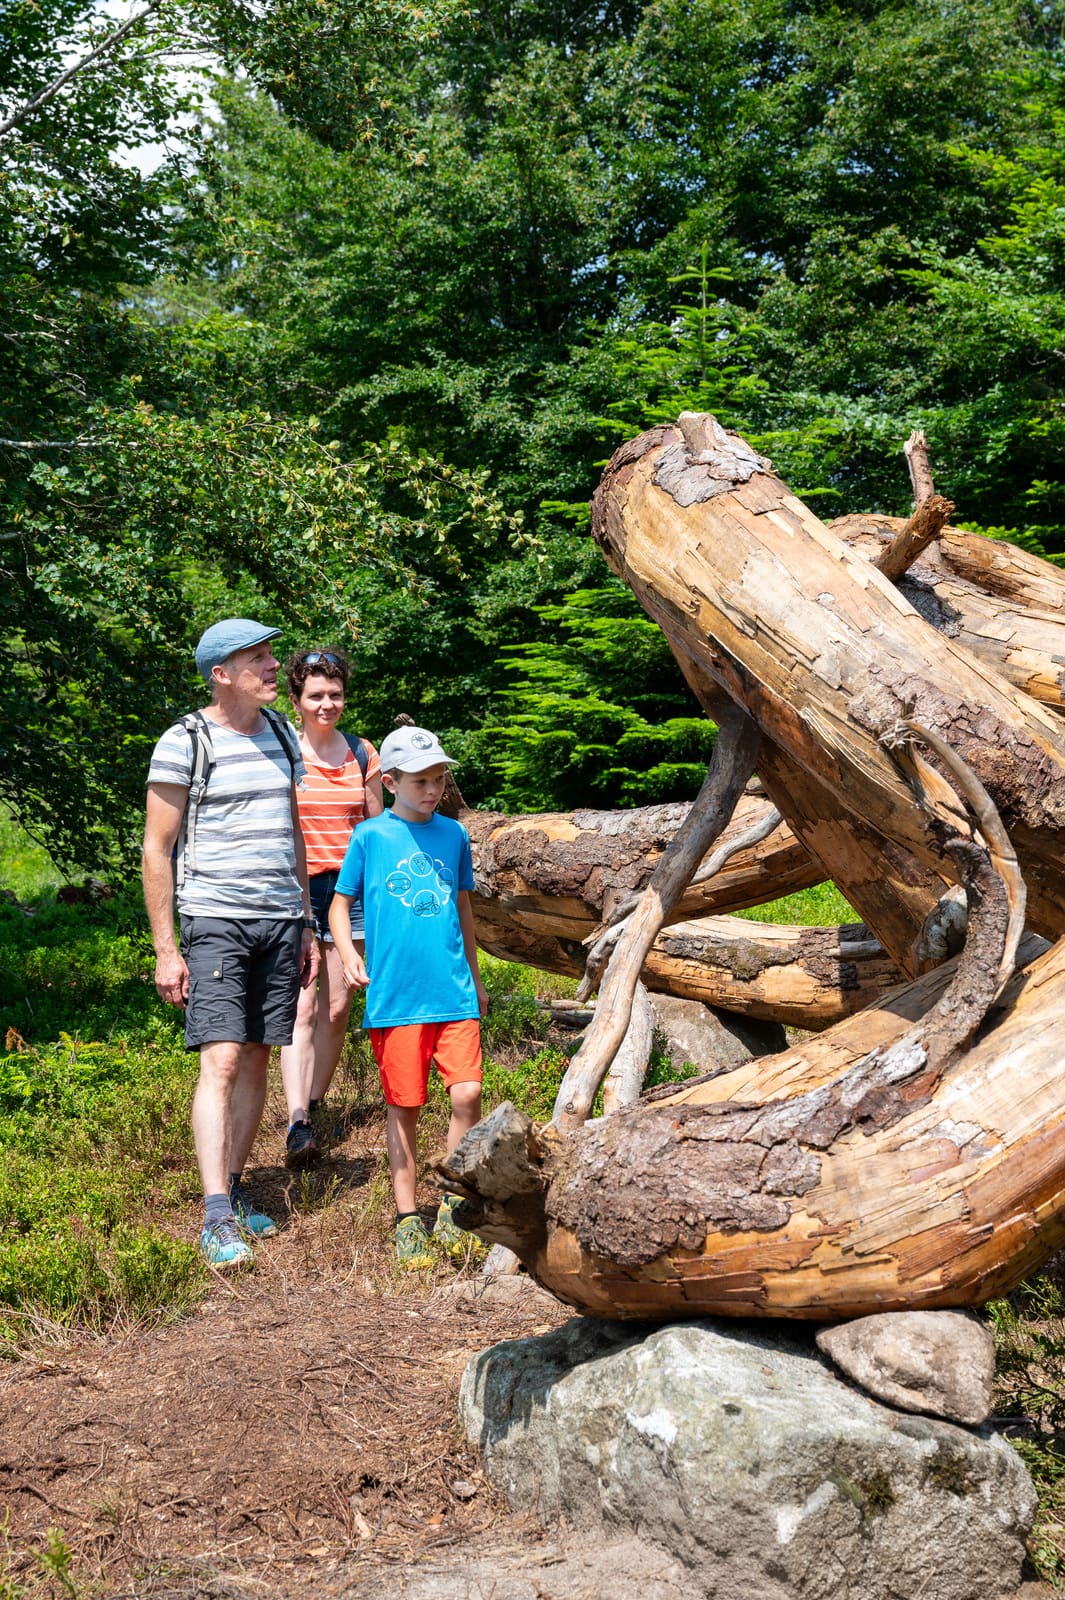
(733, 763)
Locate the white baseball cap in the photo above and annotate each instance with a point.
(412, 750)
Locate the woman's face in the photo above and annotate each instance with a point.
(321, 702)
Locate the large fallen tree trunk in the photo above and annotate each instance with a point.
(821, 650)
(1000, 602)
(915, 1154)
(800, 1186)
(800, 977)
(559, 875)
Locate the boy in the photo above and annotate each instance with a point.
(424, 998)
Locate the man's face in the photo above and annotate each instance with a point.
(417, 793)
(251, 673)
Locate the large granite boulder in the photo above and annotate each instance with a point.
(736, 1450)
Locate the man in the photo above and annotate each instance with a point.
(247, 934)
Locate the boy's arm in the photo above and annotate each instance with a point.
(166, 808)
(469, 944)
(340, 927)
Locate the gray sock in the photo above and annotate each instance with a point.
(216, 1208)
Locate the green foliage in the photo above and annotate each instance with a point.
(1029, 1330)
(596, 715)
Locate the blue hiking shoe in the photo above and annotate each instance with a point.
(254, 1223)
(222, 1245)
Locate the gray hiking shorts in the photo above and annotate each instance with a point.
(244, 980)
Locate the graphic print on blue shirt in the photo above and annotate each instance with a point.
(409, 874)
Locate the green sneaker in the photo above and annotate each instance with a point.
(412, 1243)
(447, 1233)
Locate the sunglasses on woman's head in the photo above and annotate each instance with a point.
(312, 658)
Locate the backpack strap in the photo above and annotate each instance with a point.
(359, 751)
(286, 737)
(199, 731)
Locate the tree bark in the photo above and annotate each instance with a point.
(801, 977)
(822, 651)
(560, 875)
(810, 1184)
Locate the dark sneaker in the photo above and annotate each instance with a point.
(447, 1233)
(301, 1147)
(412, 1243)
(255, 1223)
(222, 1245)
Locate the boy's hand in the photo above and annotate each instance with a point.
(482, 996)
(355, 974)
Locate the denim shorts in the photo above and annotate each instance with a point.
(243, 980)
(323, 886)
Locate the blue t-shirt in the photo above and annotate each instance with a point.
(409, 874)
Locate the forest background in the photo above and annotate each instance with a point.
(351, 353)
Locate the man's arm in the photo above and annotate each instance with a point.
(309, 950)
(469, 944)
(166, 807)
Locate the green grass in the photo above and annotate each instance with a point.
(821, 906)
(26, 869)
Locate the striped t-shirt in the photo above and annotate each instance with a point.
(332, 801)
(245, 853)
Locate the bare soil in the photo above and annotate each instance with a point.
(295, 1437)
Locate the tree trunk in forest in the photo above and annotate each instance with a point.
(803, 1184)
(559, 875)
(822, 651)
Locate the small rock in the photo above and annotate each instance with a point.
(941, 1362)
(515, 1292)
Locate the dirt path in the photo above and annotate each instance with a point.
(296, 1437)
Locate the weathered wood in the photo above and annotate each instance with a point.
(895, 891)
(796, 1186)
(916, 452)
(628, 1069)
(732, 764)
(1002, 603)
(559, 875)
(824, 653)
(926, 524)
(801, 977)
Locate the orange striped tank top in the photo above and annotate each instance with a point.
(331, 803)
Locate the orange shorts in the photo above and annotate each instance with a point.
(405, 1054)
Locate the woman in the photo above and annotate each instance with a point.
(343, 787)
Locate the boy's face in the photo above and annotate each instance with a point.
(417, 793)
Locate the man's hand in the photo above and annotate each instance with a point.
(482, 996)
(172, 979)
(309, 958)
(355, 974)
